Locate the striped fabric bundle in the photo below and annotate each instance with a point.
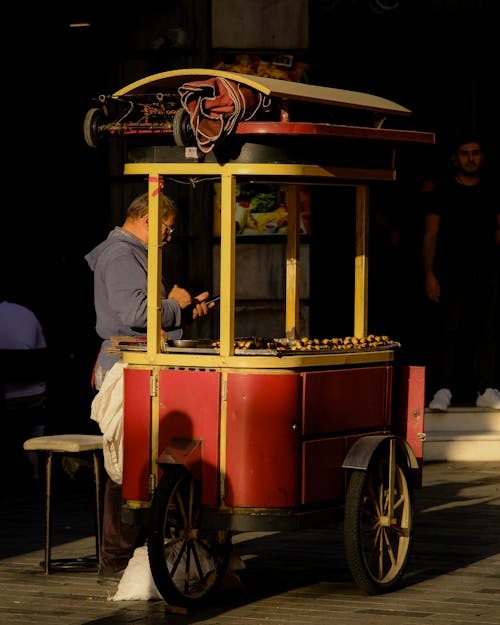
(215, 107)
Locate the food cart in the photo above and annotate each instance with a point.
(225, 436)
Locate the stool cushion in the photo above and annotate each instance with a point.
(65, 442)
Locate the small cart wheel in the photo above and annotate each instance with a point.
(378, 522)
(187, 562)
(181, 129)
(92, 126)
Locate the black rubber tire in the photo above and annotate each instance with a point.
(94, 119)
(187, 562)
(377, 549)
(181, 129)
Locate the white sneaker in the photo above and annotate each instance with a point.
(489, 399)
(441, 400)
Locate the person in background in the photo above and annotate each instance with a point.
(461, 244)
(24, 382)
(120, 265)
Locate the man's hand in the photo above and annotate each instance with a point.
(181, 296)
(432, 287)
(185, 300)
(200, 309)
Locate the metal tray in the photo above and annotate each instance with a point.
(192, 346)
(206, 346)
(191, 343)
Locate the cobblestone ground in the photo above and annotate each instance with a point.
(292, 578)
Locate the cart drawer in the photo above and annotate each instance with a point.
(324, 477)
(344, 400)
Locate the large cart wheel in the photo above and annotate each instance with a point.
(187, 562)
(378, 522)
(182, 130)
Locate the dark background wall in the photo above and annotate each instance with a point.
(432, 56)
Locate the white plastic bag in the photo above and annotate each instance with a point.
(137, 582)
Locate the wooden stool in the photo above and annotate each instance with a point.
(80, 444)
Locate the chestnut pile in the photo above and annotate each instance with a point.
(306, 344)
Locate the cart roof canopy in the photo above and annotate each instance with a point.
(268, 86)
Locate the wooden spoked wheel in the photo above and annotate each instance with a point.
(187, 562)
(378, 521)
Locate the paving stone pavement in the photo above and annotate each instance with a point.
(292, 578)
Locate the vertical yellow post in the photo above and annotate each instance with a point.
(227, 293)
(154, 308)
(154, 268)
(361, 263)
(292, 301)
(227, 263)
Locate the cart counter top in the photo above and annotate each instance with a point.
(300, 360)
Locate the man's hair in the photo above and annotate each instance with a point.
(461, 138)
(140, 206)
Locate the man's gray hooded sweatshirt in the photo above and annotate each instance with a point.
(120, 265)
